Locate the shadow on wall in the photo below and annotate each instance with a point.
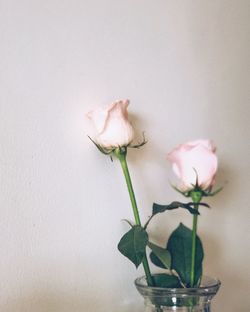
(217, 262)
(233, 285)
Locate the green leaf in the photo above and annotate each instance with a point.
(174, 205)
(133, 244)
(161, 254)
(166, 281)
(180, 247)
(156, 261)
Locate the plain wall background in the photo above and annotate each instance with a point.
(185, 67)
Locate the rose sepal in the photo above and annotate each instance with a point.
(197, 189)
(120, 150)
(100, 148)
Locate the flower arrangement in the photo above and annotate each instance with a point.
(195, 164)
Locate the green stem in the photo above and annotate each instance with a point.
(122, 157)
(196, 197)
(130, 189)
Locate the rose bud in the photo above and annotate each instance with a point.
(112, 125)
(195, 162)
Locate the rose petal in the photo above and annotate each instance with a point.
(192, 159)
(112, 124)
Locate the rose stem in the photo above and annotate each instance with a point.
(196, 198)
(121, 154)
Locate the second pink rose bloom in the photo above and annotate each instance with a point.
(194, 159)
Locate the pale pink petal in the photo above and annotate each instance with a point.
(99, 118)
(112, 124)
(192, 159)
(176, 170)
(201, 161)
(206, 143)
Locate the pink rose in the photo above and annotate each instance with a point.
(112, 125)
(195, 158)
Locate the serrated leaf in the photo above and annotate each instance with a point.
(133, 244)
(162, 254)
(166, 281)
(174, 205)
(180, 247)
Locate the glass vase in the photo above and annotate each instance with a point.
(159, 299)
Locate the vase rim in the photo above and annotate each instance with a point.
(210, 284)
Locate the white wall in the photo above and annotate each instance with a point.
(185, 67)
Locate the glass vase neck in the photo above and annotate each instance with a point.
(158, 299)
